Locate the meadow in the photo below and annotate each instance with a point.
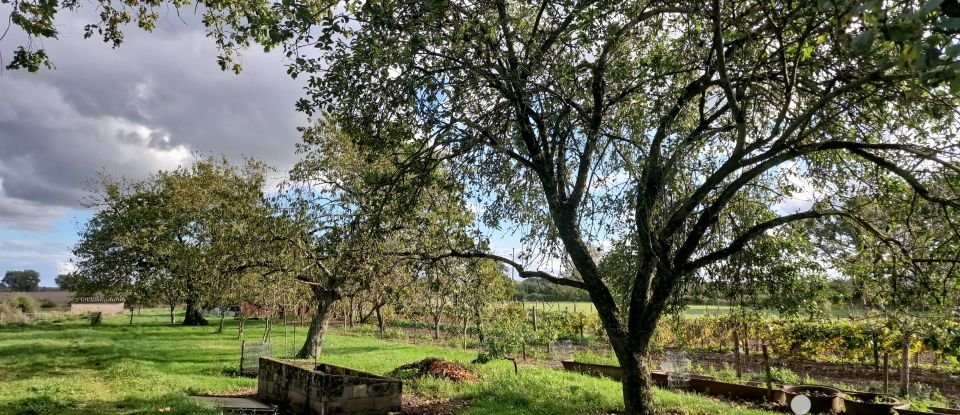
(70, 367)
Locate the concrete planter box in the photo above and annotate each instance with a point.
(300, 388)
(824, 400)
(864, 403)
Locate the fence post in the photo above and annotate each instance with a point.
(534, 316)
(581, 326)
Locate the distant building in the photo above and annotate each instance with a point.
(105, 305)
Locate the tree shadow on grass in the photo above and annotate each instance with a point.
(174, 403)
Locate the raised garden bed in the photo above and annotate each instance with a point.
(868, 403)
(301, 388)
(609, 371)
(747, 392)
(823, 399)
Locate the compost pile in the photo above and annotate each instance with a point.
(436, 367)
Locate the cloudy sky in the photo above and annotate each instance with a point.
(129, 111)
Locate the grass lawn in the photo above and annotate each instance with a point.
(72, 368)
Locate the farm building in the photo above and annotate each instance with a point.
(105, 305)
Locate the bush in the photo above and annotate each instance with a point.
(47, 303)
(23, 304)
(10, 315)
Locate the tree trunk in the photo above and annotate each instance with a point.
(243, 320)
(350, 314)
(318, 326)
(131, 317)
(172, 308)
(193, 316)
(436, 326)
(480, 335)
(463, 335)
(380, 322)
(905, 366)
(220, 329)
(637, 385)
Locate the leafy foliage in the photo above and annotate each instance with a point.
(26, 280)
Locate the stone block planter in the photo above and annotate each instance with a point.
(823, 399)
(867, 403)
(300, 388)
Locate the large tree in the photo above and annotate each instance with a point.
(641, 121)
(25, 280)
(175, 234)
(353, 215)
(644, 120)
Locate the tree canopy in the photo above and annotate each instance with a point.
(25, 280)
(643, 122)
(175, 236)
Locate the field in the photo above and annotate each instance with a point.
(72, 368)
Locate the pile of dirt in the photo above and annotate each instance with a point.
(436, 367)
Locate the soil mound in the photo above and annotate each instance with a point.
(436, 367)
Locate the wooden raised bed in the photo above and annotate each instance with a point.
(703, 384)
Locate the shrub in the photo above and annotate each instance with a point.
(47, 303)
(23, 303)
(10, 315)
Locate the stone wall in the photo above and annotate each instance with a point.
(301, 388)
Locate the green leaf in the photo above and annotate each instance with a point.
(928, 7)
(950, 23)
(955, 85)
(863, 42)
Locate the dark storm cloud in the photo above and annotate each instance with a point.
(131, 111)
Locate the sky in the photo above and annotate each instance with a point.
(131, 111)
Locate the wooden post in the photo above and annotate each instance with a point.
(766, 368)
(746, 341)
(581, 326)
(736, 354)
(534, 317)
(886, 372)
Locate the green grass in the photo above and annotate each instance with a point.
(72, 368)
